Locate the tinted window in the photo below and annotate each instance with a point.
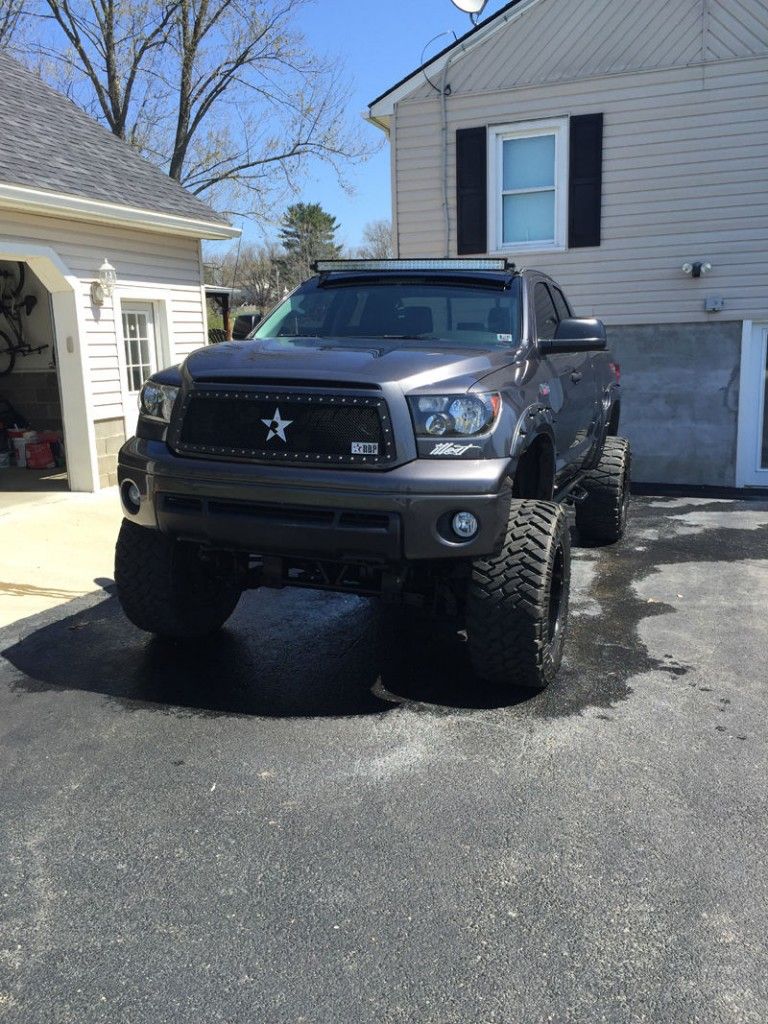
(546, 314)
(410, 310)
(563, 312)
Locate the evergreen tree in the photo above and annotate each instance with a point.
(307, 233)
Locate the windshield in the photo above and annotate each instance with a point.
(458, 313)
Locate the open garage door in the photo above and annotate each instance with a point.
(32, 448)
(43, 392)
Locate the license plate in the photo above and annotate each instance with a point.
(364, 448)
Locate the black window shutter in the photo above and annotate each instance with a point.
(471, 191)
(585, 186)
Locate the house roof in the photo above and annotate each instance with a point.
(477, 32)
(54, 155)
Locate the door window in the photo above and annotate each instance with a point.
(546, 314)
(140, 347)
(563, 312)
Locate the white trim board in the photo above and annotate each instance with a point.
(752, 405)
(56, 204)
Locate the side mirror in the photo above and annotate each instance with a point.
(576, 334)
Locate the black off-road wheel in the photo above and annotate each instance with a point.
(602, 516)
(165, 588)
(517, 603)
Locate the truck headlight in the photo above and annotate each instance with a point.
(454, 415)
(156, 401)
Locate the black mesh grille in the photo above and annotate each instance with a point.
(269, 426)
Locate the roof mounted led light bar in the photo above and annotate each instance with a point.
(329, 266)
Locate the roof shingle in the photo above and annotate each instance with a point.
(48, 143)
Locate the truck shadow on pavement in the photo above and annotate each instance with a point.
(283, 654)
(296, 653)
(292, 656)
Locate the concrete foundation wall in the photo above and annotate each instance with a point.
(110, 437)
(35, 396)
(680, 392)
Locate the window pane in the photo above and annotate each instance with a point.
(460, 314)
(546, 316)
(560, 303)
(529, 163)
(529, 218)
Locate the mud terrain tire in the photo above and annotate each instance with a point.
(164, 587)
(517, 603)
(602, 516)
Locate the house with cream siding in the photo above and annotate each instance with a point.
(73, 196)
(621, 148)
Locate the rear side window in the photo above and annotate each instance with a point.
(546, 314)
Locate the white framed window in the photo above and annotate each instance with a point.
(141, 357)
(528, 186)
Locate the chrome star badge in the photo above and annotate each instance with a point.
(277, 426)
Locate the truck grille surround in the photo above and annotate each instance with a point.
(284, 426)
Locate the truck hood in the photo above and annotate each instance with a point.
(410, 364)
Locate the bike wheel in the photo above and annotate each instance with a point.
(7, 354)
(16, 292)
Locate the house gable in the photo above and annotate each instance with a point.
(548, 41)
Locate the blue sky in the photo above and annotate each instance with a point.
(379, 41)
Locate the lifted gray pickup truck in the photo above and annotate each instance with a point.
(407, 429)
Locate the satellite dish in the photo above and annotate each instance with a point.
(474, 8)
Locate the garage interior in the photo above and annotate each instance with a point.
(32, 455)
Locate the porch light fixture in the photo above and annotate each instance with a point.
(104, 286)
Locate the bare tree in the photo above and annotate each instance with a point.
(105, 53)
(377, 241)
(226, 95)
(10, 13)
(256, 270)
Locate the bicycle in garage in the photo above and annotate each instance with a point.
(14, 306)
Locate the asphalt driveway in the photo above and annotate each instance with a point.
(320, 819)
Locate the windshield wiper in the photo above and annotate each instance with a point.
(399, 337)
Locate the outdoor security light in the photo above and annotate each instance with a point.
(104, 287)
(697, 269)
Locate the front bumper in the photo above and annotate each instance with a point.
(383, 516)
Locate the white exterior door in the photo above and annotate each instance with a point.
(140, 356)
(752, 462)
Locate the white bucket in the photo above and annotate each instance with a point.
(20, 446)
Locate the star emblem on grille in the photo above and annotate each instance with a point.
(276, 426)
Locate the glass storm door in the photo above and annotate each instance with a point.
(753, 409)
(140, 353)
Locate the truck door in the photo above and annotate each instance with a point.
(573, 380)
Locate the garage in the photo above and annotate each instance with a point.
(101, 284)
(32, 453)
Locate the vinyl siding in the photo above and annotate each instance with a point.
(685, 158)
(159, 268)
(562, 40)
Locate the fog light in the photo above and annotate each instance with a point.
(131, 496)
(465, 525)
